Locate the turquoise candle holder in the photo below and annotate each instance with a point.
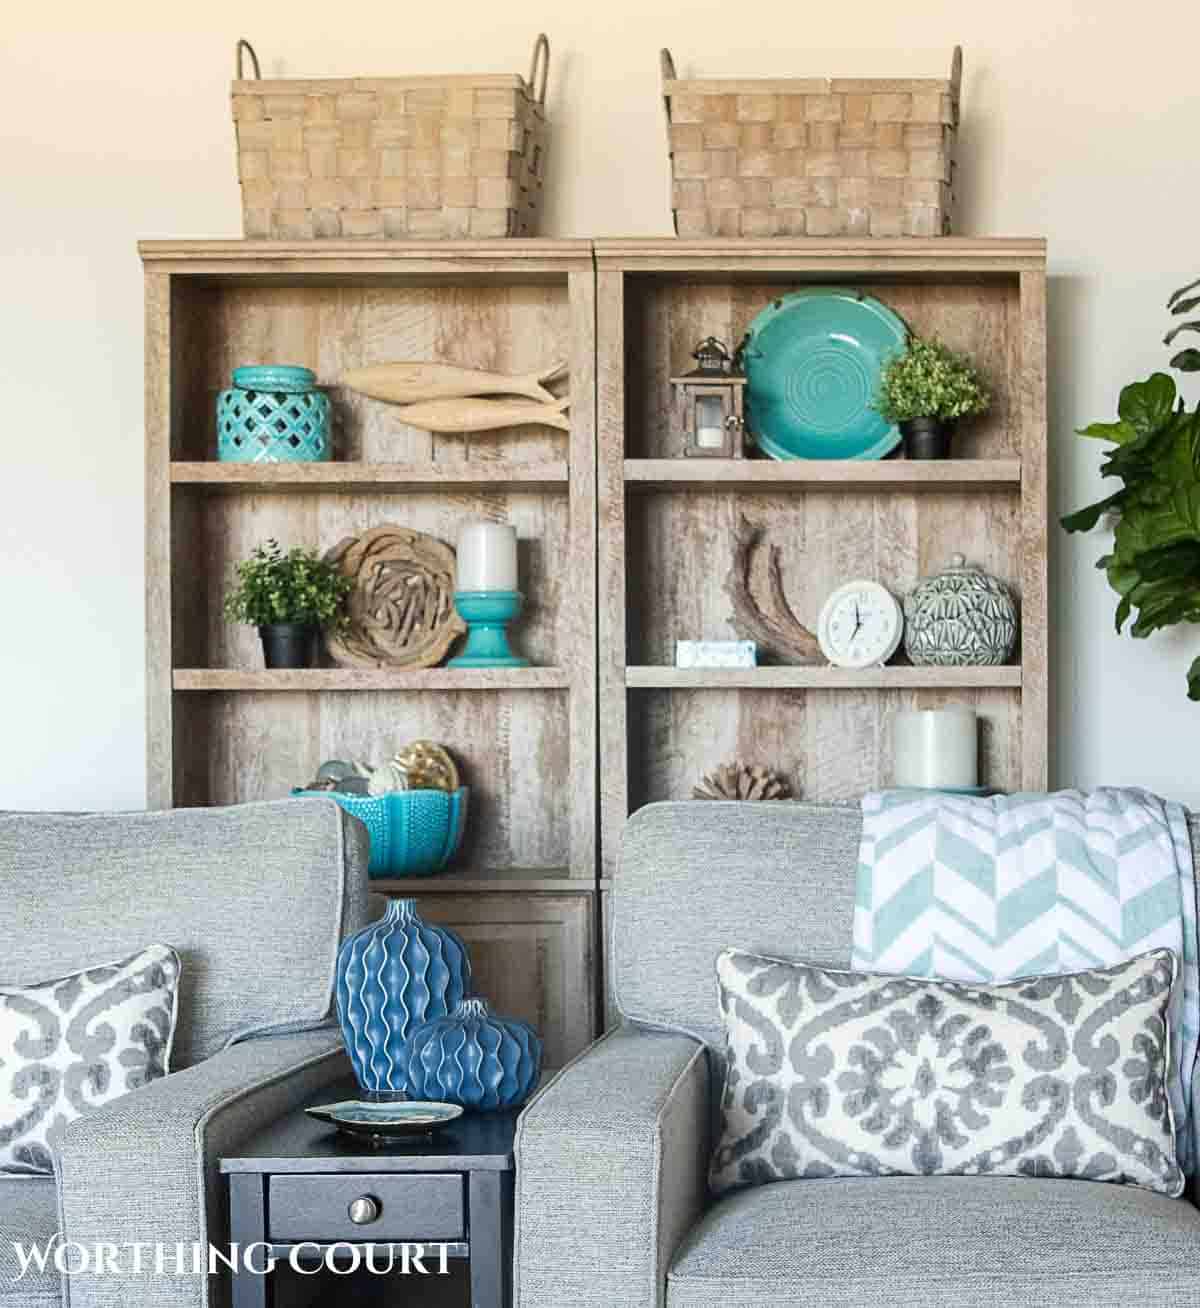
(487, 614)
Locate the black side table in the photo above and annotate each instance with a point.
(300, 1182)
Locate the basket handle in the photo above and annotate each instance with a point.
(541, 54)
(956, 61)
(666, 66)
(244, 47)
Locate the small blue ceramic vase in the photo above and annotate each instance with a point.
(392, 976)
(474, 1058)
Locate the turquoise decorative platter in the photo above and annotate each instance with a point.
(812, 361)
(383, 1121)
(279, 377)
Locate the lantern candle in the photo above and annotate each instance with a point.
(937, 749)
(486, 594)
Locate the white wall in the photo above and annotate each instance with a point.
(1080, 124)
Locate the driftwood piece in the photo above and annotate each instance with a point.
(779, 630)
(736, 780)
(401, 612)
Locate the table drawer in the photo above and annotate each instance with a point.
(414, 1206)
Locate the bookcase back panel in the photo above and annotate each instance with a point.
(829, 744)
(680, 547)
(513, 748)
(332, 328)
(224, 529)
(665, 318)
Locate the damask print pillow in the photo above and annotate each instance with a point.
(69, 1045)
(834, 1073)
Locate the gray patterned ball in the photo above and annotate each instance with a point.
(960, 618)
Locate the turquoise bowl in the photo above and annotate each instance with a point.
(414, 833)
(812, 361)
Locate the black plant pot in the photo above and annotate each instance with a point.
(289, 644)
(927, 438)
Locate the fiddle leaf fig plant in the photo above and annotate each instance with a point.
(296, 587)
(1154, 565)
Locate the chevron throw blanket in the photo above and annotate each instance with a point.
(1024, 885)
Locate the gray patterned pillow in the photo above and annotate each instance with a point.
(856, 1074)
(69, 1045)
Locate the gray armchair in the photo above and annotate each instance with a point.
(612, 1155)
(256, 899)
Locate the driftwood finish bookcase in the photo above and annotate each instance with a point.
(624, 548)
(223, 730)
(667, 524)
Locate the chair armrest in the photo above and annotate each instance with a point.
(145, 1167)
(612, 1160)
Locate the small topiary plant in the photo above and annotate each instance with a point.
(296, 587)
(930, 381)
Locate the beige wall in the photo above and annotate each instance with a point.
(1080, 123)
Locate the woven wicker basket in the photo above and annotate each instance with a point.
(417, 157)
(832, 157)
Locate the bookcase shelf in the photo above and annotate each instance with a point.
(892, 677)
(350, 478)
(749, 475)
(429, 680)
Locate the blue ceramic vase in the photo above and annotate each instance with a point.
(474, 1058)
(392, 976)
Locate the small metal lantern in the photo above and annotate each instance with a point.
(708, 404)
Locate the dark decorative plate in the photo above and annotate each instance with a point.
(812, 361)
(372, 1121)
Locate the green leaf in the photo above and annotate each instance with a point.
(1145, 406)
(1181, 292)
(1186, 306)
(1192, 326)
(1108, 431)
(1123, 612)
(1193, 680)
(1187, 360)
(1085, 519)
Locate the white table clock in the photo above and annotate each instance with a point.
(861, 624)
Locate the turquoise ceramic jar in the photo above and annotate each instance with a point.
(273, 414)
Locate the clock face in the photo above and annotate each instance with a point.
(860, 625)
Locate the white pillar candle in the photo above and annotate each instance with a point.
(487, 556)
(936, 747)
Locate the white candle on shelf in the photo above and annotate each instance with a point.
(936, 747)
(487, 556)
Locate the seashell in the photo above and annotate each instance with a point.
(386, 778)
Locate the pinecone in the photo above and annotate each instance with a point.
(742, 781)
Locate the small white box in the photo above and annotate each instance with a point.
(716, 654)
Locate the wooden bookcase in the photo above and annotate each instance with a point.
(222, 730)
(666, 523)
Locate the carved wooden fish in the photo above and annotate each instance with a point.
(414, 383)
(474, 415)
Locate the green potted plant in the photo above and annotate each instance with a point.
(289, 598)
(925, 391)
(1154, 565)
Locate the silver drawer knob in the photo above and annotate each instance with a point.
(364, 1209)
